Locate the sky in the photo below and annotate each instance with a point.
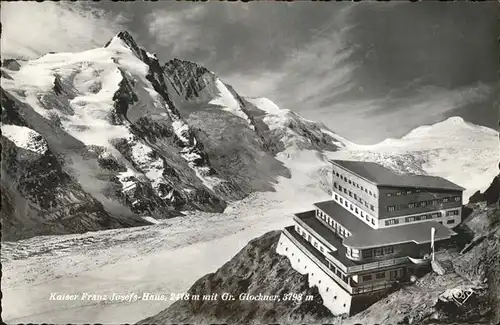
(369, 71)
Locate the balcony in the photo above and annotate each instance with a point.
(377, 265)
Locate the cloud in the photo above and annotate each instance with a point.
(175, 30)
(31, 29)
(372, 120)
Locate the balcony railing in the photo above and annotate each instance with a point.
(373, 287)
(377, 265)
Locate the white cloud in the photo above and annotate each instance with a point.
(174, 29)
(31, 29)
(371, 121)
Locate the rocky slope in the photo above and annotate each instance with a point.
(256, 269)
(120, 136)
(431, 300)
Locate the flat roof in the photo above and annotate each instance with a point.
(364, 236)
(342, 216)
(419, 233)
(309, 218)
(382, 176)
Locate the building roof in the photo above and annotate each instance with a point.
(364, 236)
(309, 218)
(418, 233)
(382, 176)
(346, 219)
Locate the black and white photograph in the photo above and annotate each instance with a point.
(250, 162)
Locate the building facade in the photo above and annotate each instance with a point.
(375, 232)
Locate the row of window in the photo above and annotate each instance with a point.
(354, 196)
(434, 215)
(353, 183)
(339, 273)
(354, 209)
(309, 238)
(380, 275)
(335, 225)
(422, 204)
(421, 217)
(406, 192)
(379, 251)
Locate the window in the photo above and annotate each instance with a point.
(367, 277)
(350, 193)
(411, 205)
(457, 198)
(351, 207)
(340, 188)
(398, 193)
(434, 202)
(337, 174)
(391, 208)
(380, 275)
(393, 274)
(367, 253)
(391, 222)
(409, 219)
(388, 250)
(336, 197)
(450, 221)
(362, 188)
(372, 207)
(335, 184)
(356, 209)
(355, 196)
(437, 215)
(367, 218)
(378, 252)
(370, 192)
(452, 213)
(350, 182)
(345, 190)
(445, 200)
(373, 221)
(423, 204)
(389, 194)
(408, 192)
(321, 249)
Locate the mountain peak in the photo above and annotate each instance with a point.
(127, 39)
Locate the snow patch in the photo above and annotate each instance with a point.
(151, 219)
(25, 138)
(228, 103)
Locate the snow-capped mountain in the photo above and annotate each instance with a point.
(99, 139)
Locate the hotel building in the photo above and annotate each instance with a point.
(375, 232)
